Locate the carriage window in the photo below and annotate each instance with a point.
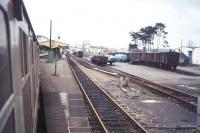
(33, 59)
(35, 52)
(31, 50)
(31, 45)
(5, 73)
(23, 53)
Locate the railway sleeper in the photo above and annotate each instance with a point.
(123, 130)
(108, 112)
(105, 108)
(101, 110)
(98, 102)
(113, 118)
(117, 129)
(97, 99)
(109, 115)
(96, 96)
(116, 119)
(103, 105)
(117, 123)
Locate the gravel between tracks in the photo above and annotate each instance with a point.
(158, 114)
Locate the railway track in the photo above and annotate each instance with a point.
(186, 100)
(111, 117)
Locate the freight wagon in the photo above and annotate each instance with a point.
(167, 60)
(99, 60)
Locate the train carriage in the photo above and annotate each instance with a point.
(19, 70)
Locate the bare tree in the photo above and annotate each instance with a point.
(161, 34)
(147, 36)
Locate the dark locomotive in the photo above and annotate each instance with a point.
(80, 54)
(19, 70)
(166, 60)
(99, 60)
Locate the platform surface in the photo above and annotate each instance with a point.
(63, 101)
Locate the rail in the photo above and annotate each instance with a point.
(187, 100)
(110, 115)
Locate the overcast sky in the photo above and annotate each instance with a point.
(108, 22)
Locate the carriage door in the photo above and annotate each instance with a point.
(7, 123)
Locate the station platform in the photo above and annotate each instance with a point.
(64, 105)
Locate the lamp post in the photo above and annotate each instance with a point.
(50, 52)
(50, 32)
(55, 58)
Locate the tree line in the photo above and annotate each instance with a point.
(147, 37)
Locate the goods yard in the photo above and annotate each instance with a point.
(163, 77)
(181, 95)
(148, 107)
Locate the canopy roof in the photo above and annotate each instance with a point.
(54, 44)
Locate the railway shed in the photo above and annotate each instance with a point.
(64, 106)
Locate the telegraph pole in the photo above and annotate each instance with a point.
(181, 46)
(50, 53)
(50, 32)
(56, 58)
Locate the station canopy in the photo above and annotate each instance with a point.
(54, 44)
(45, 42)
